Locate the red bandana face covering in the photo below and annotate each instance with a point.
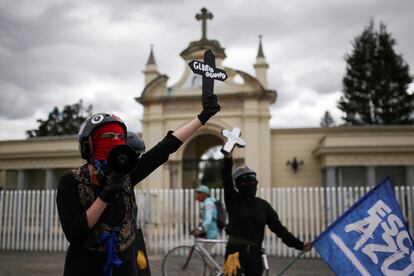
(101, 145)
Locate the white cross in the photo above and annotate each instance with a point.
(233, 139)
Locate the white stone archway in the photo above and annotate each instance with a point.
(244, 101)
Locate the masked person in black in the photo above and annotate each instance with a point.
(248, 216)
(97, 206)
(138, 145)
(135, 142)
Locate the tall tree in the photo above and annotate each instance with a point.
(375, 86)
(327, 120)
(66, 122)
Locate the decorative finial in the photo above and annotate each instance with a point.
(260, 53)
(151, 59)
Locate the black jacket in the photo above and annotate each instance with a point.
(248, 218)
(72, 214)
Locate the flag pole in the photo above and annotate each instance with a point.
(290, 263)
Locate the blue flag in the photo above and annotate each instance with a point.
(371, 238)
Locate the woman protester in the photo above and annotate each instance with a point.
(96, 206)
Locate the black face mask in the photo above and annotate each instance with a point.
(247, 185)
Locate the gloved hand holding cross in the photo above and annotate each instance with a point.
(233, 139)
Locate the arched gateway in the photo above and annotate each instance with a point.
(244, 101)
(192, 164)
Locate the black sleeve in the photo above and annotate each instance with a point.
(281, 231)
(229, 191)
(71, 212)
(155, 157)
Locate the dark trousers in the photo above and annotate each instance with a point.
(250, 258)
(82, 262)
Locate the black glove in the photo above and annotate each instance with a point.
(210, 107)
(112, 188)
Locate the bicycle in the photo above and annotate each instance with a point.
(194, 259)
(191, 260)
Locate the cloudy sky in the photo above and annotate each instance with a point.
(53, 53)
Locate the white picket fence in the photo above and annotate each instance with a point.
(29, 220)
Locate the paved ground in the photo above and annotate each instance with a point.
(13, 263)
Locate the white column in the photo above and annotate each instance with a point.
(371, 176)
(252, 134)
(265, 147)
(154, 132)
(50, 179)
(21, 180)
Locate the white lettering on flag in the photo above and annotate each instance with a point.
(394, 240)
(367, 226)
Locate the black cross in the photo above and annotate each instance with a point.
(209, 72)
(204, 16)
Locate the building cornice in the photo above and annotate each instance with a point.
(344, 129)
(363, 150)
(267, 95)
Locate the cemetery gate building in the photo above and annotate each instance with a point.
(296, 157)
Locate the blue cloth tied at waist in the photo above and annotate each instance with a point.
(111, 240)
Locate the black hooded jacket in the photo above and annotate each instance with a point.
(248, 217)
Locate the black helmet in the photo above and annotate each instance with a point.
(135, 142)
(242, 171)
(89, 125)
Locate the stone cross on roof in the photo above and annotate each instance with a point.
(233, 139)
(204, 16)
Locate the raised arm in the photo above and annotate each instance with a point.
(155, 157)
(229, 192)
(184, 132)
(159, 154)
(211, 107)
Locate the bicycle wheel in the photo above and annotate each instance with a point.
(183, 261)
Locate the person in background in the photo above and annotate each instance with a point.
(138, 145)
(207, 227)
(96, 206)
(248, 216)
(135, 142)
